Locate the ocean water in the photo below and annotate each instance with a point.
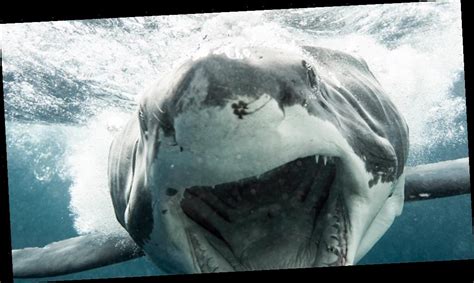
(70, 85)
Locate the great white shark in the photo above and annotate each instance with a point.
(255, 158)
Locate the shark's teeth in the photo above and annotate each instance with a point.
(325, 159)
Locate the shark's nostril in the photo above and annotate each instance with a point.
(171, 192)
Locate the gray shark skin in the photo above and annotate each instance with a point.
(256, 159)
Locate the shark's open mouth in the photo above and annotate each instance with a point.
(291, 216)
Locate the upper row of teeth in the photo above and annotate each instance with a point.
(324, 158)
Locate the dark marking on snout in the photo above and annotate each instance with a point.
(240, 109)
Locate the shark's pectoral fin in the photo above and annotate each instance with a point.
(74, 255)
(442, 179)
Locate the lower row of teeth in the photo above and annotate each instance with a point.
(333, 239)
(332, 242)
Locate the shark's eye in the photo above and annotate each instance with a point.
(310, 73)
(333, 250)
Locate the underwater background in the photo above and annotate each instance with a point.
(70, 85)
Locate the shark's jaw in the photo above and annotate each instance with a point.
(310, 205)
(288, 217)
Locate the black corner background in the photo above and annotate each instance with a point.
(468, 73)
(452, 271)
(87, 10)
(455, 271)
(5, 259)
